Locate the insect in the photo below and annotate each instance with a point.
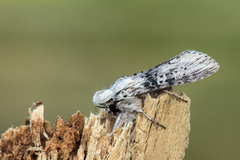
(122, 97)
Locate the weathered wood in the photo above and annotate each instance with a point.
(140, 140)
(145, 140)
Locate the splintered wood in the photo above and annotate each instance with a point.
(37, 140)
(145, 140)
(138, 140)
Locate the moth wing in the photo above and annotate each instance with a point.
(189, 66)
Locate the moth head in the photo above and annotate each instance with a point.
(102, 97)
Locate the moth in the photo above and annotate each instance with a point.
(122, 98)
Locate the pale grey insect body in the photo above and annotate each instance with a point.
(189, 66)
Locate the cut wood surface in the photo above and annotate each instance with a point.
(142, 139)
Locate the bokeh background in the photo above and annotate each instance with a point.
(62, 52)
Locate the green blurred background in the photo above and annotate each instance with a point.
(62, 52)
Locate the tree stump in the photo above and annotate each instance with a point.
(143, 140)
(89, 139)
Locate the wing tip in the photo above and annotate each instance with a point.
(201, 53)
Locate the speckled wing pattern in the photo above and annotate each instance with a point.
(189, 66)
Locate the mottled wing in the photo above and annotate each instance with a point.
(189, 66)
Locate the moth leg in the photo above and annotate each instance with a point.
(98, 107)
(174, 95)
(105, 107)
(141, 111)
(119, 122)
(123, 117)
